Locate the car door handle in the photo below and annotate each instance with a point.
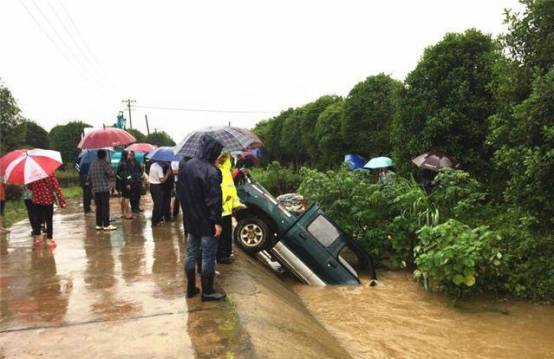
(303, 235)
(332, 264)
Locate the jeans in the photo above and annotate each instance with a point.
(157, 198)
(102, 202)
(201, 249)
(225, 242)
(43, 214)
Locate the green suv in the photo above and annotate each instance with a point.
(306, 243)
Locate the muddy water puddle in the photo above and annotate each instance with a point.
(398, 319)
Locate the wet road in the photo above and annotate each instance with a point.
(116, 294)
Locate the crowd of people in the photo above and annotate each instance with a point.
(202, 187)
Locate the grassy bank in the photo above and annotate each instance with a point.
(16, 211)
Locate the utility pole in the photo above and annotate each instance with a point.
(129, 102)
(147, 126)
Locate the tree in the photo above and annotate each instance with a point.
(329, 138)
(12, 134)
(290, 143)
(35, 135)
(65, 138)
(139, 136)
(308, 121)
(530, 42)
(159, 138)
(446, 101)
(269, 132)
(528, 152)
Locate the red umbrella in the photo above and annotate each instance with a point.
(30, 166)
(106, 137)
(9, 157)
(141, 147)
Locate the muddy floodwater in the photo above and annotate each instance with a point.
(398, 319)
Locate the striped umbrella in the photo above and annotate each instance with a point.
(232, 139)
(29, 166)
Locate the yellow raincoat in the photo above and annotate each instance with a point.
(230, 196)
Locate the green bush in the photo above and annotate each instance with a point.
(277, 179)
(453, 256)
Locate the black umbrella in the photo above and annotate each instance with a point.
(434, 161)
(232, 139)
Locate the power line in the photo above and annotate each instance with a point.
(205, 110)
(45, 33)
(79, 35)
(60, 38)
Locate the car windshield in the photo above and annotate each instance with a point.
(323, 230)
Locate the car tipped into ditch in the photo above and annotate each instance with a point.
(307, 243)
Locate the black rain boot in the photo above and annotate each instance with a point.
(208, 293)
(192, 289)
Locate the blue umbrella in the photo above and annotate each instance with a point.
(354, 161)
(85, 159)
(379, 162)
(164, 154)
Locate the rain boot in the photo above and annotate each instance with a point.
(192, 289)
(208, 293)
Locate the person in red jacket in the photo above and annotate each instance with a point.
(45, 192)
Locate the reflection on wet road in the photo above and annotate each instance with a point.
(133, 274)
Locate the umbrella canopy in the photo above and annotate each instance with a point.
(141, 147)
(30, 166)
(435, 161)
(85, 159)
(9, 157)
(379, 162)
(232, 139)
(106, 137)
(354, 161)
(164, 153)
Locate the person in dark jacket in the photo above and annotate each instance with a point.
(201, 199)
(137, 174)
(123, 181)
(168, 188)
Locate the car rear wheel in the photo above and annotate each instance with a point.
(252, 235)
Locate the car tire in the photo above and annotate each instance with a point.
(252, 235)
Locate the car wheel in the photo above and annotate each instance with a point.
(252, 235)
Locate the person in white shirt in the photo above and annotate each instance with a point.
(156, 178)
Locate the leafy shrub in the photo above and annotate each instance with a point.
(13, 192)
(453, 256)
(277, 179)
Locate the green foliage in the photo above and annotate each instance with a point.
(368, 112)
(290, 143)
(159, 138)
(446, 101)
(454, 257)
(35, 135)
(12, 133)
(328, 135)
(65, 138)
(525, 143)
(277, 179)
(308, 120)
(139, 136)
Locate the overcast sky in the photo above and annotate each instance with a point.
(76, 60)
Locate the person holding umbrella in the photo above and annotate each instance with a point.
(99, 175)
(123, 180)
(46, 191)
(2, 206)
(201, 198)
(137, 173)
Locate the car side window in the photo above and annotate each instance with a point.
(323, 230)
